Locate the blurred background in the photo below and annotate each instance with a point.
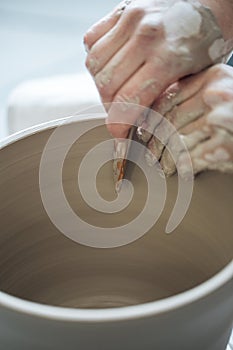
(42, 39)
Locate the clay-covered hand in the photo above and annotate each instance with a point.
(144, 46)
(201, 109)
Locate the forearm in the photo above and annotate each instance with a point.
(223, 11)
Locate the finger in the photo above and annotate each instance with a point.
(222, 116)
(192, 135)
(167, 163)
(166, 101)
(102, 27)
(196, 132)
(159, 140)
(213, 154)
(188, 138)
(113, 40)
(219, 89)
(174, 95)
(171, 153)
(187, 111)
(104, 49)
(179, 92)
(154, 151)
(179, 116)
(140, 90)
(118, 70)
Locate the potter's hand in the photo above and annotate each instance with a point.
(144, 46)
(201, 109)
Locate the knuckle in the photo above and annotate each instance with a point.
(135, 12)
(219, 86)
(149, 29)
(87, 62)
(105, 89)
(225, 95)
(209, 96)
(91, 64)
(216, 94)
(86, 39)
(220, 70)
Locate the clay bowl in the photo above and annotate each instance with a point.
(159, 292)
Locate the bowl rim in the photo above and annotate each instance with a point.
(143, 310)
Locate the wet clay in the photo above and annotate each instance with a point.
(39, 263)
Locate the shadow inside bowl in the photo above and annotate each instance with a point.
(39, 263)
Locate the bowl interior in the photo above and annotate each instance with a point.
(39, 263)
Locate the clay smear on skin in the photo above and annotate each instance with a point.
(104, 78)
(220, 154)
(194, 23)
(190, 28)
(93, 65)
(190, 21)
(222, 116)
(216, 49)
(219, 157)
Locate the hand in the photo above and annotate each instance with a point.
(144, 46)
(201, 109)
